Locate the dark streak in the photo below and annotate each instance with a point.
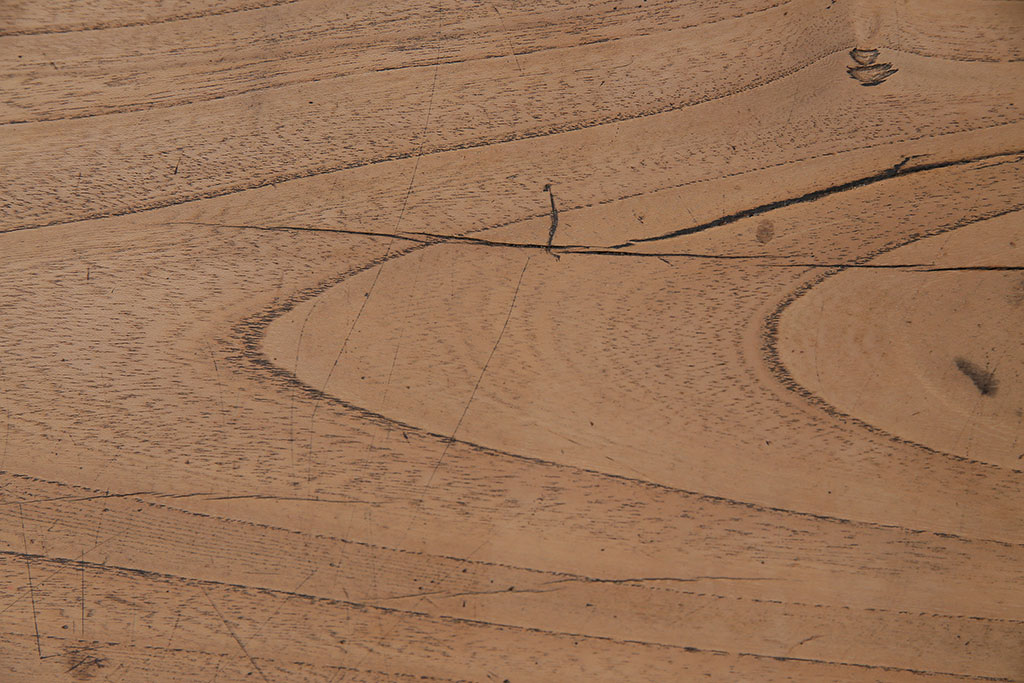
(554, 218)
(887, 174)
(983, 379)
(82, 664)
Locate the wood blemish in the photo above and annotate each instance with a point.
(867, 71)
(983, 379)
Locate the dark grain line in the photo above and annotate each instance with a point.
(203, 584)
(302, 499)
(192, 651)
(547, 131)
(899, 170)
(98, 496)
(154, 105)
(554, 575)
(432, 238)
(250, 332)
(772, 358)
(153, 22)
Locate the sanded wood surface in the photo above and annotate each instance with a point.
(659, 340)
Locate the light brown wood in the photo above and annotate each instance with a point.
(549, 341)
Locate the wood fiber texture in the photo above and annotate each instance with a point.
(660, 340)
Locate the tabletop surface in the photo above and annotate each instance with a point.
(659, 340)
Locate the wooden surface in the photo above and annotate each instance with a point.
(534, 341)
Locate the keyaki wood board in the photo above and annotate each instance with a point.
(548, 340)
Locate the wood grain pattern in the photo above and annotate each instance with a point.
(548, 341)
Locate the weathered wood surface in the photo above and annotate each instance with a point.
(547, 341)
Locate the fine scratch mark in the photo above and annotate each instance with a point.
(317, 499)
(220, 387)
(7, 429)
(802, 642)
(233, 635)
(384, 259)
(32, 595)
(508, 37)
(7, 436)
(443, 594)
(654, 579)
(67, 564)
(83, 599)
(170, 638)
(76, 499)
(391, 372)
(31, 586)
(291, 594)
(295, 371)
(483, 371)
